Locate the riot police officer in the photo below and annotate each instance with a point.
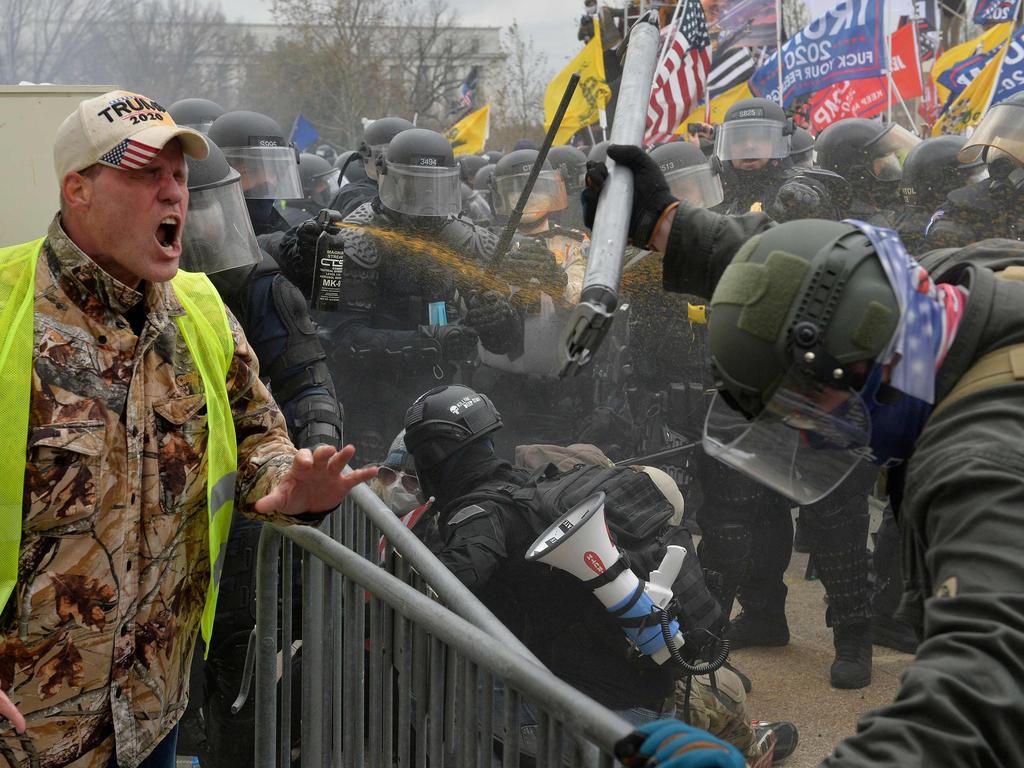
(319, 186)
(930, 172)
(869, 155)
(256, 147)
(376, 136)
(196, 113)
(801, 148)
(690, 175)
(219, 240)
(991, 207)
(571, 163)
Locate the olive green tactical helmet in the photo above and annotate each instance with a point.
(808, 296)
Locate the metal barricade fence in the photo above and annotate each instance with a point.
(400, 664)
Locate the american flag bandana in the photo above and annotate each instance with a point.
(130, 154)
(929, 316)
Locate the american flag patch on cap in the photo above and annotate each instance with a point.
(130, 154)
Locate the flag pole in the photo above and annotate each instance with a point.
(778, 43)
(681, 5)
(888, 63)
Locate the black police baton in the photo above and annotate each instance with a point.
(594, 313)
(517, 214)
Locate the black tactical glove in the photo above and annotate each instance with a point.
(306, 235)
(496, 321)
(458, 342)
(797, 200)
(651, 195)
(531, 263)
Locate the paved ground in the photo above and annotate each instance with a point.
(791, 683)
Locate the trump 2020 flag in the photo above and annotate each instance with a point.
(995, 11)
(847, 43)
(680, 80)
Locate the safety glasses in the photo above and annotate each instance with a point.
(389, 477)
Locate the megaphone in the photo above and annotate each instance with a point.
(579, 543)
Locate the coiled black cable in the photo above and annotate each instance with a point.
(699, 669)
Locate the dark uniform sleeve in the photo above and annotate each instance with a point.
(474, 543)
(701, 244)
(962, 701)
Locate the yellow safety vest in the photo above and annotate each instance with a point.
(208, 338)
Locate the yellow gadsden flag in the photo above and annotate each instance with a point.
(591, 94)
(995, 36)
(719, 106)
(971, 104)
(469, 135)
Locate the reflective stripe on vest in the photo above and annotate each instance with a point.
(207, 335)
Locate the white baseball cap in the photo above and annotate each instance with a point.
(119, 129)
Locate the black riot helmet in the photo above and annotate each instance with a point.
(801, 147)
(195, 113)
(351, 165)
(326, 151)
(445, 420)
(690, 175)
(469, 165)
(863, 151)
(319, 179)
(376, 136)
(418, 175)
(510, 176)
(932, 170)
(754, 129)
(256, 147)
(572, 164)
(494, 155)
(218, 237)
(482, 180)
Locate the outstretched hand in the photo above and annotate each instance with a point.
(315, 482)
(11, 712)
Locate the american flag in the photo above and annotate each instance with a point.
(679, 81)
(130, 154)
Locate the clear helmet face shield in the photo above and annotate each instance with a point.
(325, 187)
(1002, 128)
(697, 185)
(421, 190)
(803, 444)
(889, 152)
(268, 173)
(218, 235)
(547, 196)
(751, 140)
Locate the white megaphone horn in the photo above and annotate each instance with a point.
(579, 543)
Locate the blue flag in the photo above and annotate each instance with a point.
(847, 43)
(995, 11)
(1010, 79)
(303, 133)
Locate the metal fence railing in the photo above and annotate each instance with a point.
(400, 664)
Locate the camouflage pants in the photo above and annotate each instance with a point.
(721, 710)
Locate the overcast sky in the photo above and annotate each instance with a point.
(551, 23)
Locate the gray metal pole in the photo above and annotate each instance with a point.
(266, 656)
(593, 315)
(312, 729)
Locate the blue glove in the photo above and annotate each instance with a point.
(674, 744)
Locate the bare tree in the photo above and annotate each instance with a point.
(45, 40)
(519, 96)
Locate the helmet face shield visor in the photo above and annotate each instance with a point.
(547, 196)
(1001, 128)
(218, 235)
(751, 140)
(421, 190)
(325, 187)
(697, 185)
(804, 443)
(889, 152)
(268, 173)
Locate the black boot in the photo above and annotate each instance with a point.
(892, 633)
(852, 667)
(757, 630)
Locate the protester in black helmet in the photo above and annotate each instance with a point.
(930, 172)
(993, 207)
(571, 163)
(256, 147)
(869, 155)
(196, 113)
(319, 186)
(376, 136)
(889, 365)
(219, 241)
(414, 293)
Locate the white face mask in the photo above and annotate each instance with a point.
(400, 501)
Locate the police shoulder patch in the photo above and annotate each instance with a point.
(464, 514)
